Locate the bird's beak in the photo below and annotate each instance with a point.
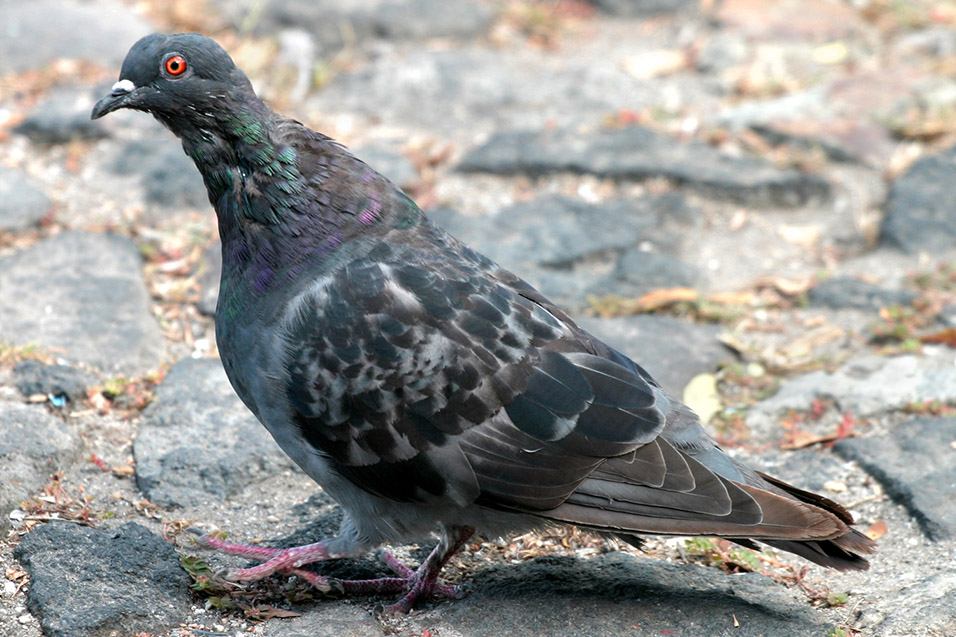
(119, 97)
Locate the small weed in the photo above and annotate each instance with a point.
(11, 354)
(60, 502)
(929, 408)
(722, 554)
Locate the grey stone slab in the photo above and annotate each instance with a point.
(82, 296)
(61, 117)
(59, 382)
(334, 620)
(865, 387)
(565, 247)
(925, 607)
(33, 446)
(847, 292)
(919, 217)
(35, 33)
(638, 153)
(916, 464)
(23, 204)
(197, 442)
(457, 92)
(673, 351)
(160, 162)
(619, 594)
(89, 582)
(638, 272)
(645, 8)
(336, 23)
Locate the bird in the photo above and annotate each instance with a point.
(426, 389)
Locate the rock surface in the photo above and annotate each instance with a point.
(81, 295)
(742, 148)
(58, 382)
(866, 387)
(198, 442)
(61, 118)
(917, 217)
(673, 351)
(843, 292)
(23, 204)
(340, 22)
(560, 245)
(641, 153)
(618, 594)
(89, 582)
(100, 31)
(911, 462)
(33, 446)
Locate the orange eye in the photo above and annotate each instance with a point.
(175, 65)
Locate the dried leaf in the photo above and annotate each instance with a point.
(945, 336)
(744, 297)
(649, 64)
(831, 53)
(800, 438)
(877, 530)
(788, 287)
(802, 236)
(663, 297)
(270, 612)
(834, 485)
(700, 394)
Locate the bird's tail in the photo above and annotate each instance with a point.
(666, 490)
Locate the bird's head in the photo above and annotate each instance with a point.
(184, 80)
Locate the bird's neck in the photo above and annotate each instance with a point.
(282, 215)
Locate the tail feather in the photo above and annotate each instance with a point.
(763, 508)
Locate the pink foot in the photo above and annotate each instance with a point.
(415, 585)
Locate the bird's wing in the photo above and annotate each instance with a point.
(431, 375)
(421, 374)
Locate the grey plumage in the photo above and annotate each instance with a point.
(424, 387)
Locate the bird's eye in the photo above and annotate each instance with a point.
(175, 65)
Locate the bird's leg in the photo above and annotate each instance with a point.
(277, 560)
(416, 584)
(424, 581)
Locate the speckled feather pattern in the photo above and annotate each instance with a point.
(423, 386)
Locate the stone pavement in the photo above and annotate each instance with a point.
(753, 196)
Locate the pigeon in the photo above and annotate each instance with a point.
(423, 387)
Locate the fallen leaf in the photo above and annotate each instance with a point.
(945, 336)
(700, 394)
(744, 297)
(800, 438)
(663, 297)
(788, 287)
(649, 64)
(805, 344)
(801, 236)
(834, 485)
(269, 612)
(877, 530)
(830, 53)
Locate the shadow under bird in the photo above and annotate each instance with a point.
(425, 388)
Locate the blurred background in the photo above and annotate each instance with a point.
(753, 198)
